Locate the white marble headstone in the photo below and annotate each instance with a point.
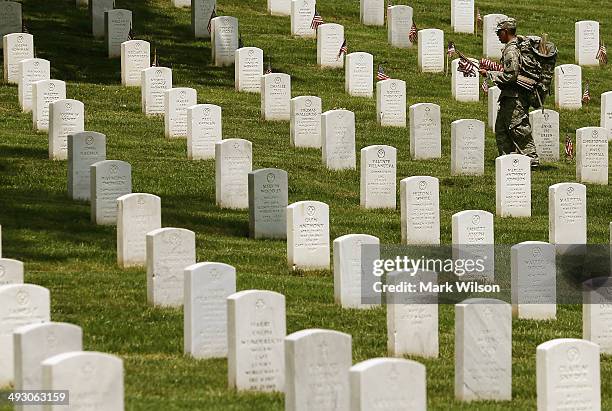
(279, 7)
(11, 271)
(207, 286)
(491, 46)
(255, 362)
(597, 312)
(176, 102)
(204, 130)
(568, 86)
(181, 3)
(425, 131)
(317, 370)
(462, 16)
(358, 74)
(567, 213)
(135, 57)
(201, 11)
(513, 186)
(473, 238)
(224, 40)
(302, 12)
(330, 37)
(420, 210)
(16, 47)
(431, 50)
(483, 350)
(65, 117)
(378, 177)
(109, 180)
(545, 131)
(275, 97)
(154, 81)
(137, 215)
(117, 25)
(308, 235)
(606, 112)
(233, 163)
(248, 69)
(592, 155)
(43, 93)
(372, 12)
(467, 147)
(305, 121)
(391, 103)
(84, 149)
(464, 88)
(338, 139)
(31, 70)
(586, 43)
(399, 22)
(169, 251)
(493, 105)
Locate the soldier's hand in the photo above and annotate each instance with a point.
(482, 72)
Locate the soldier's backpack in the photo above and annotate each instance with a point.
(538, 59)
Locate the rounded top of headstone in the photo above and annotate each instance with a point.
(381, 362)
(573, 355)
(82, 356)
(298, 335)
(506, 24)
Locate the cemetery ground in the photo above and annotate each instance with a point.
(63, 251)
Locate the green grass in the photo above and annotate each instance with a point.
(63, 251)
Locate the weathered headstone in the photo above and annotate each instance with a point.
(513, 186)
(597, 312)
(358, 74)
(464, 88)
(207, 286)
(275, 97)
(204, 130)
(11, 271)
(431, 50)
(330, 37)
(350, 281)
(169, 251)
(568, 375)
(317, 370)
(45, 92)
(135, 57)
(392, 383)
(567, 214)
(473, 238)
(279, 7)
(483, 350)
(154, 82)
(568, 86)
(268, 200)
(20, 304)
(425, 131)
(305, 121)
(420, 210)
(65, 117)
(84, 149)
(308, 235)
(254, 362)
(545, 131)
(391, 103)
(338, 139)
(137, 215)
(96, 15)
(10, 18)
(372, 12)
(592, 155)
(462, 16)
(586, 43)
(533, 275)
(224, 40)
(606, 112)
(109, 180)
(248, 69)
(493, 105)
(491, 46)
(302, 12)
(31, 70)
(378, 177)
(412, 318)
(16, 47)
(176, 102)
(35, 343)
(181, 3)
(233, 163)
(201, 11)
(399, 22)
(93, 379)
(467, 147)
(117, 26)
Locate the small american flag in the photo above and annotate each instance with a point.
(317, 20)
(490, 65)
(478, 18)
(602, 54)
(24, 27)
(586, 96)
(569, 148)
(131, 35)
(154, 64)
(380, 74)
(467, 67)
(343, 49)
(413, 33)
(485, 86)
(269, 68)
(212, 16)
(450, 49)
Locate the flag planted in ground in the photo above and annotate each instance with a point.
(212, 16)
(380, 73)
(413, 35)
(478, 19)
(569, 148)
(269, 67)
(586, 96)
(343, 49)
(131, 35)
(602, 54)
(450, 50)
(485, 86)
(154, 63)
(317, 20)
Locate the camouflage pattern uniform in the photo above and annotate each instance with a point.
(512, 127)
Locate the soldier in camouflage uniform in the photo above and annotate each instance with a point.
(512, 128)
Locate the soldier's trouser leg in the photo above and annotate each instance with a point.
(520, 130)
(502, 125)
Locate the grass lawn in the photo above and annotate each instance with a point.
(76, 260)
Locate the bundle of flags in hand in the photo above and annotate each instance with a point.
(343, 50)
(586, 96)
(413, 35)
(569, 148)
(212, 16)
(490, 65)
(380, 74)
(467, 66)
(317, 20)
(602, 54)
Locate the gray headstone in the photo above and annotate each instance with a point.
(96, 15)
(10, 17)
(84, 149)
(117, 24)
(268, 200)
(201, 10)
(109, 180)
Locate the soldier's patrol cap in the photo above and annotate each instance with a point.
(507, 24)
